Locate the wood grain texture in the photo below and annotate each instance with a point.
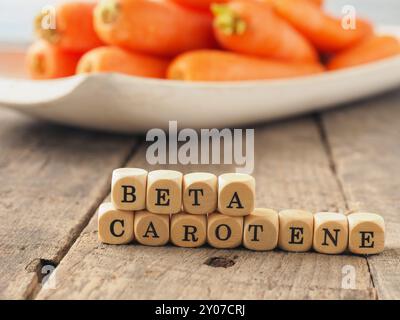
(292, 171)
(51, 180)
(365, 143)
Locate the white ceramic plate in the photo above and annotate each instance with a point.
(115, 102)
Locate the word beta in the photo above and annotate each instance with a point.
(191, 210)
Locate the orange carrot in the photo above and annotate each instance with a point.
(325, 32)
(73, 27)
(253, 28)
(372, 49)
(114, 59)
(317, 2)
(214, 65)
(155, 27)
(199, 4)
(45, 61)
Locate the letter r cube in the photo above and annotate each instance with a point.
(128, 189)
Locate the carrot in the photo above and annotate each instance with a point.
(199, 4)
(214, 65)
(372, 49)
(325, 32)
(45, 61)
(251, 27)
(319, 3)
(73, 27)
(155, 27)
(114, 59)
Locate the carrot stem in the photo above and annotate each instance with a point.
(227, 20)
(108, 11)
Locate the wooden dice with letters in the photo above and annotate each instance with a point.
(151, 229)
(128, 188)
(366, 233)
(331, 232)
(200, 193)
(115, 226)
(261, 230)
(295, 230)
(224, 232)
(188, 230)
(236, 194)
(164, 192)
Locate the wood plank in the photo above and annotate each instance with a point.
(365, 143)
(51, 180)
(292, 170)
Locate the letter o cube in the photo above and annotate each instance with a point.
(295, 230)
(331, 232)
(114, 226)
(164, 192)
(188, 230)
(128, 189)
(366, 233)
(236, 194)
(224, 232)
(261, 230)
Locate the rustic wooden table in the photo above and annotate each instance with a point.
(53, 179)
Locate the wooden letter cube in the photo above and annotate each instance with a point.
(200, 193)
(188, 230)
(164, 192)
(115, 226)
(295, 230)
(261, 230)
(151, 229)
(224, 232)
(236, 194)
(366, 233)
(128, 189)
(331, 232)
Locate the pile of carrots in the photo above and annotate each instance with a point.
(202, 40)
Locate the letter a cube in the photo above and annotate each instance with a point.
(151, 229)
(236, 194)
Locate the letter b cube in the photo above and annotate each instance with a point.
(128, 189)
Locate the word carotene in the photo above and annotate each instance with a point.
(190, 210)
